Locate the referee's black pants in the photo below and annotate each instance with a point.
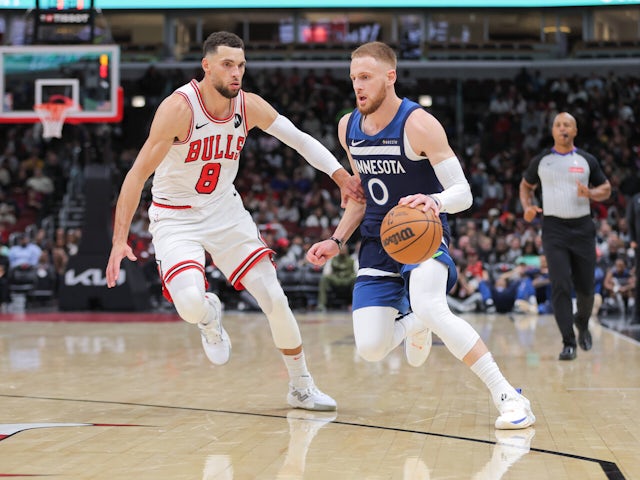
(570, 248)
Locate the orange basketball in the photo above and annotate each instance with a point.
(410, 235)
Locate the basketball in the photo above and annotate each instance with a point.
(410, 235)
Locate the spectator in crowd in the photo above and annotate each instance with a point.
(338, 275)
(512, 290)
(464, 295)
(30, 164)
(40, 182)
(619, 286)
(598, 296)
(542, 285)
(492, 192)
(72, 242)
(515, 249)
(24, 253)
(59, 255)
(293, 257)
(7, 210)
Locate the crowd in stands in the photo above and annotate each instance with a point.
(506, 123)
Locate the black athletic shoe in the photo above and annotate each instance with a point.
(567, 353)
(584, 339)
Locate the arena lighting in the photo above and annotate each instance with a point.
(425, 100)
(306, 4)
(138, 101)
(562, 29)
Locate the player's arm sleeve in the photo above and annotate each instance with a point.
(456, 195)
(311, 149)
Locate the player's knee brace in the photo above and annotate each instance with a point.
(427, 287)
(261, 282)
(373, 331)
(187, 293)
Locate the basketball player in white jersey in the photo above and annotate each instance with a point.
(193, 147)
(402, 156)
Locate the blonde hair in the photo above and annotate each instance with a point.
(377, 50)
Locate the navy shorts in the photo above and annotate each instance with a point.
(383, 282)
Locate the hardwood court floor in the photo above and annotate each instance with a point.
(123, 399)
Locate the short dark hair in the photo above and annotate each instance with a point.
(216, 39)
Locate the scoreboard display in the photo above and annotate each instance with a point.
(306, 4)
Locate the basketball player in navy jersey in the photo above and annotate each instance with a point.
(402, 156)
(194, 147)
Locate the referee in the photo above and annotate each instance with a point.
(570, 178)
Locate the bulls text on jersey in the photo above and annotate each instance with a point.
(215, 147)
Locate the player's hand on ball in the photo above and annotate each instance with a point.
(421, 201)
(410, 235)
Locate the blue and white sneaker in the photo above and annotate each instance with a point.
(515, 413)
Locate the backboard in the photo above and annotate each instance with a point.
(88, 74)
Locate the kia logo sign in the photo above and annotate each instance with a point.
(91, 277)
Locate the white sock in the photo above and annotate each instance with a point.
(487, 370)
(410, 324)
(297, 367)
(404, 328)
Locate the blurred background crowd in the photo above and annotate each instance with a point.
(506, 122)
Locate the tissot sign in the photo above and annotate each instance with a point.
(67, 18)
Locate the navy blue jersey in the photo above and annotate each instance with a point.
(386, 171)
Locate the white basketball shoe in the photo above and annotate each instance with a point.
(515, 413)
(417, 347)
(307, 396)
(215, 341)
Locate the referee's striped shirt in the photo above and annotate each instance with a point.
(557, 174)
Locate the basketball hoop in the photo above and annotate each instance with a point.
(53, 114)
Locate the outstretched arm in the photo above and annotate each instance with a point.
(319, 253)
(265, 117)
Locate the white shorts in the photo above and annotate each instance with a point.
(182, 233)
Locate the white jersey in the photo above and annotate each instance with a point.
(202, 168)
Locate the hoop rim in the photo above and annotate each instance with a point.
(53, 114)
(53, 106)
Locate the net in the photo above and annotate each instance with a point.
(53, 114)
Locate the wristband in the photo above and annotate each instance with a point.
(435, 200)
(339, 242)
